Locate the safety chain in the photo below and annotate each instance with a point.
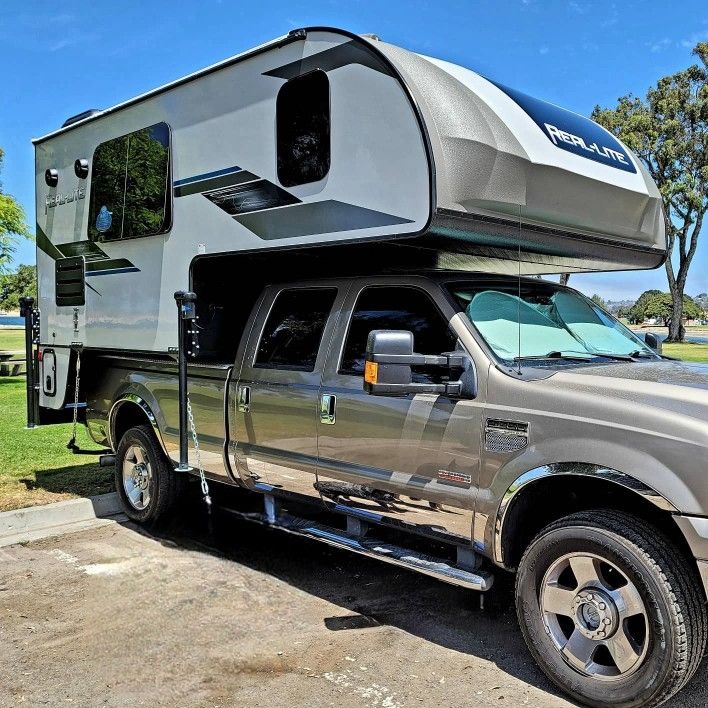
(71, 445)
(195, 439)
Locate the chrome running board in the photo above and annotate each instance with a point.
(354, 539)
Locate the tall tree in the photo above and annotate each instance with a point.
(12, 224)
(669, 132)
(13, 286)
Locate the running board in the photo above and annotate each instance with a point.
(404, 557)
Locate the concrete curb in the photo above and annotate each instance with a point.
(55, 519)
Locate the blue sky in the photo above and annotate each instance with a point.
(60, 59)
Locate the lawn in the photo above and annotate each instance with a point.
(35, 466)
(687, 351)
(12, 340)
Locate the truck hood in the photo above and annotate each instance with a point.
(675, 373)
(675, 386)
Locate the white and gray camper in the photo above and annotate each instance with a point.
(351, 226)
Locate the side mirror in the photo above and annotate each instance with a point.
(389, 361)
(653, 342)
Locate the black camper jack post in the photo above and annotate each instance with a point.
(28, 312)
(186, 314)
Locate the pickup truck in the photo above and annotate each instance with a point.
(460, 425)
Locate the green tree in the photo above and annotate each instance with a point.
(638, 312)
(668, 130)
(661, 306)
(598, 300)
(13, 286)
(12, 224)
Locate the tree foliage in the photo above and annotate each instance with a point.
(638, 311)
(15, 285)
(661, 307)
(12, 224)
(668, 130)
(599, 300)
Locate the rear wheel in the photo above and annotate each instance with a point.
(145, 480)
(611, 610)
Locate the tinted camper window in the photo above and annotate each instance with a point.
(130, 195)
(302, 117)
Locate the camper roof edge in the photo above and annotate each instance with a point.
(292, 36)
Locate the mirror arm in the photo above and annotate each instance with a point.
(451, 388)
(454, 360)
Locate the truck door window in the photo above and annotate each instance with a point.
(130, 186)
(293, 331)
(405, 308)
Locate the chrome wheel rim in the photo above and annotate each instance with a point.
(137, 477)
(595, 616)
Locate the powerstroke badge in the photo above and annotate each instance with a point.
(452, 476)
(572, 132)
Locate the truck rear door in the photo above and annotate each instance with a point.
(410, 458)
(276, 399)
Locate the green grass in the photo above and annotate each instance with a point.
(35, 466)
(687, 351)
(12, 339)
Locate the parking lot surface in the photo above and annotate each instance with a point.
(247, 616)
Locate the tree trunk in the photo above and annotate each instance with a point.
(677, 281)
(676, 329)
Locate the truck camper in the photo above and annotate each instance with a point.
(312, 272)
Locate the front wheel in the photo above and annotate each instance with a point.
(611, 610)
(145, 480)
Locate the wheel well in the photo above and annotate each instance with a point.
(549, 499)
(127, 416)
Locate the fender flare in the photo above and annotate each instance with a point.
(133, 399)
(577, 469)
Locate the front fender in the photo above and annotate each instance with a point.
(497, 523)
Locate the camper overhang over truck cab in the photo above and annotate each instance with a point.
(370, 360)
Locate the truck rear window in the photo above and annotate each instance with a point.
(293, 331)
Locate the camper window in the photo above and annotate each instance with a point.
(130, 186)
(302, 118)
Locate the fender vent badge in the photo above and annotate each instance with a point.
(505, 435)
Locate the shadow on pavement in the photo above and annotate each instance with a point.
(370, 593)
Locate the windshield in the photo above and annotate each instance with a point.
(545, 321)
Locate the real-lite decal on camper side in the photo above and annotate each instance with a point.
(345, 226)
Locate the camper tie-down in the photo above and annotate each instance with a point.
(353, 233)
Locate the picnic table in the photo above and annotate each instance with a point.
(11, 366)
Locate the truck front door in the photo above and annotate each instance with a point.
(410, 458)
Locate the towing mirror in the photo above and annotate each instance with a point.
(653, 342)
(388, 369)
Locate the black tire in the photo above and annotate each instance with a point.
(163, 486)
(674, 620)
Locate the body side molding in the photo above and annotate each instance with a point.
(577, 469)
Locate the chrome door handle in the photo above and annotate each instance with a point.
(328, 404)
(244, 399)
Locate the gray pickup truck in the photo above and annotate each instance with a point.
(459, 425)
